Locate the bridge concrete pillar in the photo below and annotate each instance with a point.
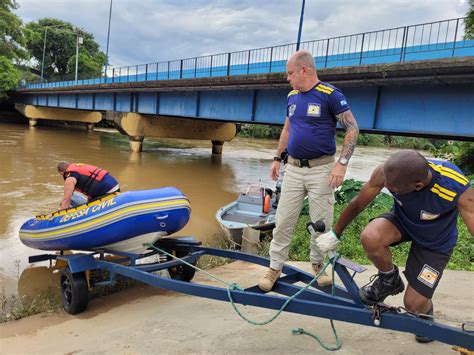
(90, 126)
(136, 143)
(33, 122)
(139, 125)
(35, 113)
(217, 147)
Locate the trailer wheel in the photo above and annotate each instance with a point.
(182, 272)
(74, 292)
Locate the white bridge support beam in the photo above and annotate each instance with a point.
(36, 113)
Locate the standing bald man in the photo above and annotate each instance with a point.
(309, 134)
(428, 196)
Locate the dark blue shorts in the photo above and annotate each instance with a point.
(424, 267)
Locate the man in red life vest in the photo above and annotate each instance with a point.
(84, 182)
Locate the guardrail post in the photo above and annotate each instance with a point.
(146, 72)
(271, 58)
(136, 72)
(181, 69)
(210, 69)
(404, 41)
(455, 35)
(228, 64)
(195, 67)
(362, 48)
(248, 63)
(113, 75)
(327, 54)
(405, 44)
(168, 70)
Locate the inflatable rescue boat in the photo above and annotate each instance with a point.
(117, 222)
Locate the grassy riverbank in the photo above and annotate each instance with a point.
(350, 246)
(373, 140)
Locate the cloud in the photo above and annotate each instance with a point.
(148, 31)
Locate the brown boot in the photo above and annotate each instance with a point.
(323, 279)
(266, 282)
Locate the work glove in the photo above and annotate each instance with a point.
(327, 241)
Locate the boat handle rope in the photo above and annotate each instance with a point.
(235, 286)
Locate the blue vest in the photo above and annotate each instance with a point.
(312, 116)
(430, 215)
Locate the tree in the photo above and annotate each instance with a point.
(11, 33)
(8, 76)
(11, 46)
(470, 21)
(88, 67)
(60, 48)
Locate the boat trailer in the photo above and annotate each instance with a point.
(338, 302)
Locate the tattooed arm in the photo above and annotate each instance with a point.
(348, 122)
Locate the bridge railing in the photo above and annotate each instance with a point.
(432, 40)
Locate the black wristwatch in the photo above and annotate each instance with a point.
(278, 159)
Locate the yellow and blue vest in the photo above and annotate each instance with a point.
(429, 216)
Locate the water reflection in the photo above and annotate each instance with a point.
(36, 280)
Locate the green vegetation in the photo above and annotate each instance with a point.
(14, 307)
(350, 246)
(20, 46)
(364, 139)
(379, 140)
(8, 77)
(11, 46)
(469, 33)
(60, 53)
(260, 131)
(459, 153)
(11, 32)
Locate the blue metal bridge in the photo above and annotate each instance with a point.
(416, 80)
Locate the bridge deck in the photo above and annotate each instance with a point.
(421, 98)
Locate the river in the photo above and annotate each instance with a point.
(30, 185)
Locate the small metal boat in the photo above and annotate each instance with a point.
(254, 209)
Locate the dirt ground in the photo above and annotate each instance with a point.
(150, 320)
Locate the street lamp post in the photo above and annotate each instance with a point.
(300, 29)
(108, 37)
(79, 40)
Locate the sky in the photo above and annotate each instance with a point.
(147, 31)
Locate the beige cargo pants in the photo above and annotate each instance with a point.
(298, 183)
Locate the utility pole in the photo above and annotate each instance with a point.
(79, 40)
(108, 37)
(300, 29)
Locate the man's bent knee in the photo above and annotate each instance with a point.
(371, 239)
(379, 233)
